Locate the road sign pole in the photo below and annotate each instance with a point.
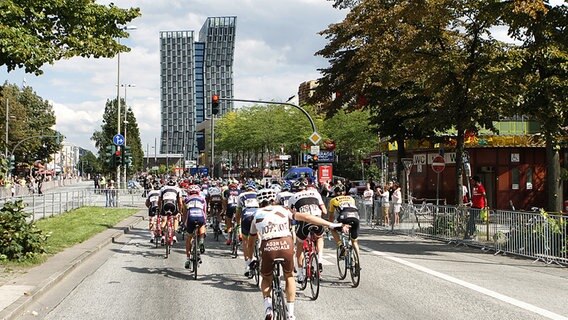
(438, 189)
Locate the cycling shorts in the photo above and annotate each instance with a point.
(276, 248)
(169, 207)
(354, 223)
(194, 222)
(304, 228)
(230, 212)
(246, 221)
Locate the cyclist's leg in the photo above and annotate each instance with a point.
(266, 272)
(354, 232)
(301, 235)
(202, 231)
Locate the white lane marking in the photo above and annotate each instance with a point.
(485, 291)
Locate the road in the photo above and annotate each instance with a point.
(402, 278)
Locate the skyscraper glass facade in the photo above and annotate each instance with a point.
(191, 72)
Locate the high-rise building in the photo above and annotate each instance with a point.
(191, 72)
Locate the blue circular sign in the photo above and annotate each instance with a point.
(118, 139)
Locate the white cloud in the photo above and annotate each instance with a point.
(276, 42)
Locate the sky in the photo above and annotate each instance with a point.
(275, 49)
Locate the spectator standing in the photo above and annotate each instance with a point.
(385, 204)
(110, 194)
(396, 202)
(368, 196)
(478, 202)
(352, 189)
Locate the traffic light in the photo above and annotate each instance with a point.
(12, 163)
(109, 155)
(118, 156)
(215, 104)
(127, 157)
(315, 158)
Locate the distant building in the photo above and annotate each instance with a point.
(306, 91)
(191, 72)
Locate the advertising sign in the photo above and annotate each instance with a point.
(325, 173)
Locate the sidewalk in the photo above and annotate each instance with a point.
(18, 293)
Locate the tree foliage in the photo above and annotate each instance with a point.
(19, 240)
(30, 123)
(419, 67)
(33, 33)
(109, 128)
(269, 128)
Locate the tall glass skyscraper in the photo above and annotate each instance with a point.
(191, 72)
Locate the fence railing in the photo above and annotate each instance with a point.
(51, 204)
(536, 235)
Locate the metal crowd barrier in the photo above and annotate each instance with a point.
(537, 235)
(51, 204)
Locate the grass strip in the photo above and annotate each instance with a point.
(73, 227)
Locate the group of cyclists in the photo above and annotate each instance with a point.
(279, 215)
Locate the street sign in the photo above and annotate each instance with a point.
(407, 162)
(315, 138)
(118, 139)
(315, 150)
(438, 164)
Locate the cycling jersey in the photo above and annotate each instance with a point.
(249, 205)
(196, 211)
(153, 196)
(232, 197)
(170, 196)
(346, 207)
(307, 201)
(215, 196)
(283, 198)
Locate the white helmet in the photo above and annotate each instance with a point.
(266, 195)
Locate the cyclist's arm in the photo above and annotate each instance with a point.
(306, 217)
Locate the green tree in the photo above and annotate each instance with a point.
(539, 67)
(103, 137)
(89, 164)
(34, 33)
(431, 64)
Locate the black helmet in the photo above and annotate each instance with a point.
(156, 186)
(300, 185)
(171, 181)
(339, 189)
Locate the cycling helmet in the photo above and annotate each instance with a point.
(300, 185)
(194, 189)
(286, 186)
(171, 181)
(233, 186)
(251, 185)
(157, 186)
(339, 189)
(266, 195)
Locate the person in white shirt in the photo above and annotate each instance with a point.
(368, 202)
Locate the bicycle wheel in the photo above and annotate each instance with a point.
(168, 237)
(314, 276)
(341, 264)
(278, 302)
(195, 257)
(354, 268)
(304, 284)
(234, 244)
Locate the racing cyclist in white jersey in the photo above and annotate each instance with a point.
(152, 205)
(271, 225)
(247, 206)
(170, 203)
(307, 200)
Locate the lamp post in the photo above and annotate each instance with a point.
(118, 98)
(126, 110)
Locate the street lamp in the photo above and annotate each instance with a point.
(118, 98)
(126, 110)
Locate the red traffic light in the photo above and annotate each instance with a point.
(215, 98)
(117, 153)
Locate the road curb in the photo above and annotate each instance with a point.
(17, 308)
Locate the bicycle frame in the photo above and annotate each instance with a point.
(169, 234)
(311, 266)
(278, 301)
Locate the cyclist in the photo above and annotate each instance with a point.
(230, 203)
(307, 200)
(152, 205)
(246, 208)
(284, 195)
(170, 202)
(271, 225)
(195, 216)
(347, 213)
(215, 200)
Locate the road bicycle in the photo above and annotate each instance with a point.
(158, 229)
(235, 243)
(215, 223)
(279, 311)
(349, 260)
(255, 264)
(311, 265)
(169, 234)
(195, 256)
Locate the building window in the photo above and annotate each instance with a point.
(515, 178)
(529, 178)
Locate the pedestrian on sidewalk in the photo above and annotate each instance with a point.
(478, 203)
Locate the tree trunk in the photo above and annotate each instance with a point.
(553, 181)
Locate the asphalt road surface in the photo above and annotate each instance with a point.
(402, 278)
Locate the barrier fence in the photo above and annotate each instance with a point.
(537, 235)
(51, 204)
